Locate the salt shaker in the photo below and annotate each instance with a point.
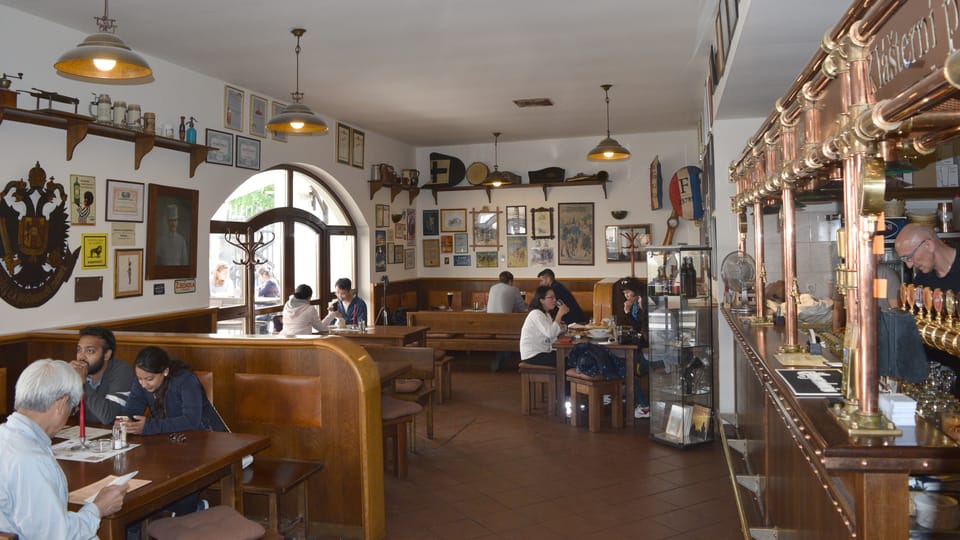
(119, 434)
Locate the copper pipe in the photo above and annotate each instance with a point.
(926, 144)
(876, 19)
(760, 275)
(790, 266)
(923, 95)
(929, 121)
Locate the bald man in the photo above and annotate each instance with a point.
(934, 263)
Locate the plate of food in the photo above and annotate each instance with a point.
(599, 333)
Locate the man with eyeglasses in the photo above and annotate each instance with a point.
(934, 263)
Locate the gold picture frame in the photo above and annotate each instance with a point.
(127, 273)
(233, 108)
(343, 143)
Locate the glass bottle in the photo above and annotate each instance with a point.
(119, 434)
(688, 275)
(192, 131)
(183, 127)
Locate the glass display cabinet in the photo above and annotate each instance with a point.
(680, 334)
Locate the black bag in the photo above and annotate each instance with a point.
(399, 317)
(593, 360)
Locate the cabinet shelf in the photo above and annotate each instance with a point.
(395, 189)
(436, 188)
(78, 126)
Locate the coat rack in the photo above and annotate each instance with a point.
(249, 245)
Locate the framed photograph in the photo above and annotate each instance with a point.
(516, 252)
(127, 273)
(171, 232)
(431, 222)
(486, 259)
(276, 108)
(719, 40)
(541, 254)
(400, 230)
(453, 220)
(356, 149)
(575, 223)
(391, 253)
(232, 108)
(398, 253)
(383, 215)
(381, 238)
(380, 258)
(431, 252)
(248, 153)
(542, 219)
(222, 143)
(124, 201)
(618, 239)
(461, 260)
(516, 220)
(486, 229)
(446, 243)
(184, 286)
(343, 143)
(258, 116)
(83, 194)
(410, 258)
(460, 243)
(94, 251)
(411, 218)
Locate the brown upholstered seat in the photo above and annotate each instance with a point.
(217, 522)
(443, 374)
(397, 416)
(594, 388)
(538, 386)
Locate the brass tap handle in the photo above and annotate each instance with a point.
(937, 301)
(927, 300)
(950, 299)
(911, 300)
(904, 296)
(795, 291)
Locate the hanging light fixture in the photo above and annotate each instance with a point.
(496, 178)
(608, 149)
(104, 55)
(297, 118)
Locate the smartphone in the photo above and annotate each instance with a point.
(559, 302)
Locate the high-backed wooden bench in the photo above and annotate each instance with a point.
(470, 331)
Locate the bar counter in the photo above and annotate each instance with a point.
(816, 481)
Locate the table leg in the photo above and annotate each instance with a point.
(630, 358)
(231, 487)
(561, 382)
(113, 529)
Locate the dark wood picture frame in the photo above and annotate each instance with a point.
(576, 243)
(165, 258)
(453, 220)
(247, 153)
(542, 223)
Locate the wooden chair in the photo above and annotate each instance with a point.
(594, 388)
(419, 387)
(442, 363)
(538, 383)
(8, 536)
(398, 416)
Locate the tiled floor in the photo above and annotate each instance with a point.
(492, 473)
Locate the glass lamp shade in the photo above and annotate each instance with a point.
(103, 56)
(608, 150)
(297, 118)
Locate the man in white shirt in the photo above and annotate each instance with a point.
(504, 298)
(33, 488)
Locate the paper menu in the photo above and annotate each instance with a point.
(89, 492)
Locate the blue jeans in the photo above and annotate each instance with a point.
(642, 367)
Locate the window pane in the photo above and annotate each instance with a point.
(270, 273)
(305, 263)
(309, 195)
(342, 256)
(226, 289)
(260, 192)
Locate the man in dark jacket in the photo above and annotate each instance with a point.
(576, 314)
(107, 380)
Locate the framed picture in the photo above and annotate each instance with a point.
(232, 108)
(575, 223)
(400, 230)
(83, 190)
(124, 201)
(127, 273)
(391, 253)
(398, 253)
(431, 222)
(409, 258)
(380, 258)
(461, 260)
(453, 220)
(248, 153)
(381, 238)
(343, 143)
(541, 254)
(719, 40)
(486, 229)
(431, 252)
(516, 220)
(618, 239)
(460, 244)
(542, 219)
(171, 232)
(516, 252)
(356, 148)
(383, 215)
(222, 143)
(258, 116)
(486, 259)
(276, 108)
(411, 218)
(446, 243)
(94, 251)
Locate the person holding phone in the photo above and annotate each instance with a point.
(542, 327)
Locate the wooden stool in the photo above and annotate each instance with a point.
(595, 388)
(441, 365)
(398, 416)
(532, 394)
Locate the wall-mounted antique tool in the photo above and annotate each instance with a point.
(53, 96)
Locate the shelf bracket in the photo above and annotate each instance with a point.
(375, 186)
(489, 197)
(394, 191)
(76, 132)
(142, 145)
(544, 193)
(198, 154)
(414, 191)
(754, 483)
(603, 187)
(434, 196)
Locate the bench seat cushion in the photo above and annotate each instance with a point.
(392, 408)
(407, 386)
(217, 522)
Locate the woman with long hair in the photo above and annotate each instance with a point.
(172, 393)
(544, 323)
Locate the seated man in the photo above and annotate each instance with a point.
(33, 488)
(107, 380)
(564, 297)
(349, 308)
(504, 298)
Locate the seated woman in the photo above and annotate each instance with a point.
(301, 317)
(634, 308)
(172, 393)
(220, 284)
(542, 327)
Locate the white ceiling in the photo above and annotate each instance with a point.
(445, 72)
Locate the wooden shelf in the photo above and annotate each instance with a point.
(78, 126)
(436, 188)
(395, 189)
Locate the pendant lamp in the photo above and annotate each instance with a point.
(297, 118)
(104, 56)
(608, 149)
(496, 178)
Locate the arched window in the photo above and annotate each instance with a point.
(305, 236)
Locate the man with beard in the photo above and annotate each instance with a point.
(107, 380)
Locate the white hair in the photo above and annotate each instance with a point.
(45, 381)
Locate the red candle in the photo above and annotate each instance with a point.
(83, 432)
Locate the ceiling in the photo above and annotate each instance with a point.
(445, 72)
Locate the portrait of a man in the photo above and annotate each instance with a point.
(171, 233)
(171, 247)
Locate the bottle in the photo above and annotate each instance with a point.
(183, 128)
(675, 282)
(652, 286)
(119, 434)
(688, 278)
(192, 131)
(661, 281)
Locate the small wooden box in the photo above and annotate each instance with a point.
(8, 98)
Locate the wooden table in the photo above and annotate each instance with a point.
(175, 469)
(629, 353)
(400, 336)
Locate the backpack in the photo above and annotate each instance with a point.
(593, 360)
(399, 317)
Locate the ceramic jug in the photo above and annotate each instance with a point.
(120, 113)
(133, 116)
(101, 109)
